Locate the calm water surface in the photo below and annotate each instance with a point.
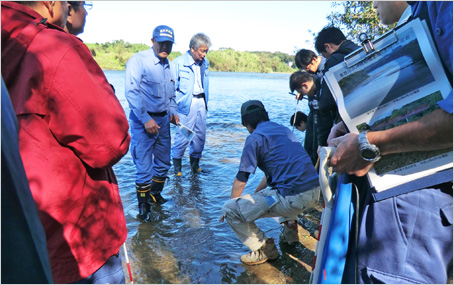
(184, 242)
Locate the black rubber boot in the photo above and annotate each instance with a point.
(143, 192)
(157, 184)
(195, 164)
(177, 166)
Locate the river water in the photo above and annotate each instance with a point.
(183, 242)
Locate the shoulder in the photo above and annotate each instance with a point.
(143, 54)
(142, 57)
(65, 52)
(334, 59)
(59, 44)
(253, 140)
(182, 59)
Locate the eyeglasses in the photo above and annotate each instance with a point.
(88, 5)
(205, 51)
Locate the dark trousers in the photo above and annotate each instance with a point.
(111, 272)
(403, 239)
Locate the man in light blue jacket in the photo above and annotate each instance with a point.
(191, 90)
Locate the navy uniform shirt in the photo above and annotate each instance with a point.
(279, 154)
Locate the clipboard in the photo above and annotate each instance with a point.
(390, 81)
(369, 48)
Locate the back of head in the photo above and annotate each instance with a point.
(328, 35)
(303, 58)
(300, 117)
(298, 78)
(252, 113)
(199, 40)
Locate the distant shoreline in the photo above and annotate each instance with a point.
(283, 73)
(114, 55)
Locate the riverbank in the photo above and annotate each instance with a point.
(114, 55)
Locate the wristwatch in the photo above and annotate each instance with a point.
(369, 152)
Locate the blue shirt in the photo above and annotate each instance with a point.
(185, 80)
(198, 86)
(149, 86)
(438, 15)
(279, 154)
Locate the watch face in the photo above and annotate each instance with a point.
(368, 154)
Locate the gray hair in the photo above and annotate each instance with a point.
(199, 40)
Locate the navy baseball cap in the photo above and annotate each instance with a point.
(245, 108)
(163, 33)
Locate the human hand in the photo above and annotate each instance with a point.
(346, 158)
(151, 127)
(174, 119)
(221, 219)
(338, 130)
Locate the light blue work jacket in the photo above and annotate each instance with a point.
(149, 86)
(184, 83)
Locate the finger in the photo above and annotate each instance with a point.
(332, 162)
(333, 142)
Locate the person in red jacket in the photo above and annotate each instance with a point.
(72, 130)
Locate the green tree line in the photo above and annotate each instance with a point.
(114, 55)
(352, 17)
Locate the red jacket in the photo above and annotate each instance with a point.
(72, 130)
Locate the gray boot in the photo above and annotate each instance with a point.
(177, 166)
(195, 164)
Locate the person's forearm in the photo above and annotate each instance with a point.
(237, 188)
(262, 184)
(432, 132)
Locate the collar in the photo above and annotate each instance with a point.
(189, 61)
(157, 60)
(192, 62)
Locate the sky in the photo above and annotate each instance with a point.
(241, 25)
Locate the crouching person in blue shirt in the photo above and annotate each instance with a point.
(290, 185)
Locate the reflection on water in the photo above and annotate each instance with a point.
(183, 242)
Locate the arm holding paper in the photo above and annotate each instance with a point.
(432, 132)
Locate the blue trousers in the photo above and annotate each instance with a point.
(110, 273)
(195, 120)
(405, 239)
(151, 152)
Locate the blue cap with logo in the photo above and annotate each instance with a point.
(163, 33)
